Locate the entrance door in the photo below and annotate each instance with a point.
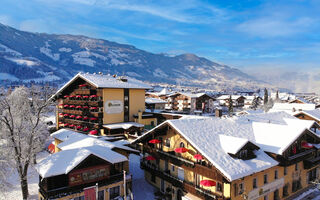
(181, 174)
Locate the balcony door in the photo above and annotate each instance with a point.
(181, 174)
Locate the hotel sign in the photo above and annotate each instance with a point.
(266, 189)
(113, 107)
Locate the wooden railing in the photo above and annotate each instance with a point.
(186, 186)
(301, 154)
(66, 191)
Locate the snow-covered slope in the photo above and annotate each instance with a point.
(26, 56)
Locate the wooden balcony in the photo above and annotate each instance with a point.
(209, 172)
(311, 162)
(97, 103)
(154, 170)
(301, 155)
(186, 186)
(66, 190)
(80, 112)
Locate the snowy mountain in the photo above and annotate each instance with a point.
(41, 57)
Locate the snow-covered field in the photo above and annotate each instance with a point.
(141, 189)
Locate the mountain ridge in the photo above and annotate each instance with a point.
(42, 57)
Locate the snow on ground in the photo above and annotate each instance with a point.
(14, 191)
(140, 187)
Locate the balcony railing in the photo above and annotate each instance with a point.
(175, 159)
(311, 162)
(65, 191)
(187, 186)
(301, 154)
(154, 170)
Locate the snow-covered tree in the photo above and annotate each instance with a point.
(230, 106)
(255, 103)
(22, 128)
(277, 100)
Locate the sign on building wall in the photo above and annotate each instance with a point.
(113, 107)
(266, 189)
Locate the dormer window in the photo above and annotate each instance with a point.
(181, 144)
(243, 154)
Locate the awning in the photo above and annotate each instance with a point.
(85, 118)
(72, 106)
(181, 150)
(93, 96)
(85, 129)
(66, 96)
(85, 97)
(83, 85)
(93, 132)
(124, 125)
(306, 145)
(78, 96)
(72, 116)
(93, 108)
(93, 118)
(154, 141)
(150, 158)
(78, 106)
(198, 156)
(79, 117)
(208, 183)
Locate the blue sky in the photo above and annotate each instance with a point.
(248, 34)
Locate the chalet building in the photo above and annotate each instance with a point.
(313, 115)
(238, 100)
(163, 94)
(189, 102)
(291, 107)
(89, 103)
(231, 158)
(84, 166)
(249, 100)
(300, 100)
(155, 103)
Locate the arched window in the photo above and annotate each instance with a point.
(168, 142)
(181, 144)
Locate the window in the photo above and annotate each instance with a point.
(235, 189)
(254, 183)
(243, 154)
(79, 198)
(114, 192)
(241, 188)
(276, 195)
(276, 174)
(181, 144)
(101, 195)
(172, 168)
(265, 178)
(167, 143)
(312, 175)
(219, 187)
(153, 178)
(285, 191)
(285, 171)
(296, 167)
(265, 197)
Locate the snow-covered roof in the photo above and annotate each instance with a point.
(233, 97)
(72, 140)
(192, 95)
(312, 113)
(303, 100)
(232, 144)
(123, 125)
(154, 101)
(234, 133)
(292, 106)
(107, 81)
(209, 146)
(64, 161)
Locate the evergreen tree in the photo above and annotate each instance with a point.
(265, 99)
(277, 97)
(230, 106)
(255, 103)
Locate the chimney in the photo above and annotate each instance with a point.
(218, 112)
